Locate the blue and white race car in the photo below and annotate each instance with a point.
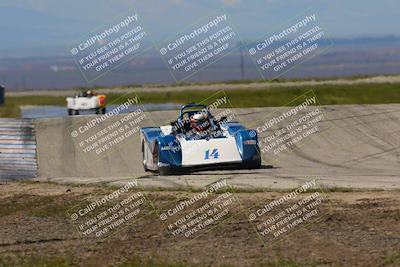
(197, 140)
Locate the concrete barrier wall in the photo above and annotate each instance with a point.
(17, 149)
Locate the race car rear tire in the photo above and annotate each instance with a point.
(253, 164)
(70, 112)
(143, 158)
(161, 170)
(101, 110)
(256, 164)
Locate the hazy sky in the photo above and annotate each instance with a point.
(40, 22)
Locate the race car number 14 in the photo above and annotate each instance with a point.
(214, 154)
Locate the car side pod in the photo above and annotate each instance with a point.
(169, 158)
(247, 144)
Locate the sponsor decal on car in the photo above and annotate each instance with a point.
(250, 142)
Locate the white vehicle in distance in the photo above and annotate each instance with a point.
(86, 100)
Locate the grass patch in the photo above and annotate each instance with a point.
(265, 190)
(136, 262)
(287, 263)
(33, 261)
(276, 80)
(271, 97)
(392, 260)
(243, 98)
(38, 206)
(9, 110)
(20, 203)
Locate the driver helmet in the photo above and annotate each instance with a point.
(200, 122)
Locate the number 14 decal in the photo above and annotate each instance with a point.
(214, 154)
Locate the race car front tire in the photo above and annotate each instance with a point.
(254, 163)
(101, 110)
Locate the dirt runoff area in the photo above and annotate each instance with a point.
(45, 224)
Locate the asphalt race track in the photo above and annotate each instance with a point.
(358, 146)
